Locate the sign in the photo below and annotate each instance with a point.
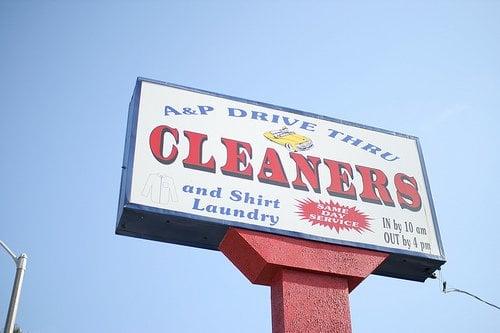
(198, 162)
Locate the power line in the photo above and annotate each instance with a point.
(447, 290)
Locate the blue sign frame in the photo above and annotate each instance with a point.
(203, 232)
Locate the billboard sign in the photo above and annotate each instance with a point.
(198, 162)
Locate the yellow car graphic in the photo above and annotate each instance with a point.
(291, 140)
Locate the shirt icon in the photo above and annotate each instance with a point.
(160, 189)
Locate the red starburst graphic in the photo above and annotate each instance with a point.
(333, 215)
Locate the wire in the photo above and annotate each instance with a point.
(447, 290)
(451, 290)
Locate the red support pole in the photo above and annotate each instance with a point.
(310, 281)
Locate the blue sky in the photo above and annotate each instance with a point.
(68, 69)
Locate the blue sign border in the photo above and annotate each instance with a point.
(199, 231)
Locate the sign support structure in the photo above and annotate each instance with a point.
(16, 289)
(310, 281)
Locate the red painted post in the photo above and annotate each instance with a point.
(310, 281)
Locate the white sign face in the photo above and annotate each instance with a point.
(220, 160)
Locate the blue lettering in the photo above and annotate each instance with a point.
(287, 121)
(204, 109)
(169, 109)
(188, 188)
(233, 112)
(385, 155)
(371, 148)
(308, 126)
(259, 115)
(333, 133)
(355, 141)
(235, 195)
(196, 205)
